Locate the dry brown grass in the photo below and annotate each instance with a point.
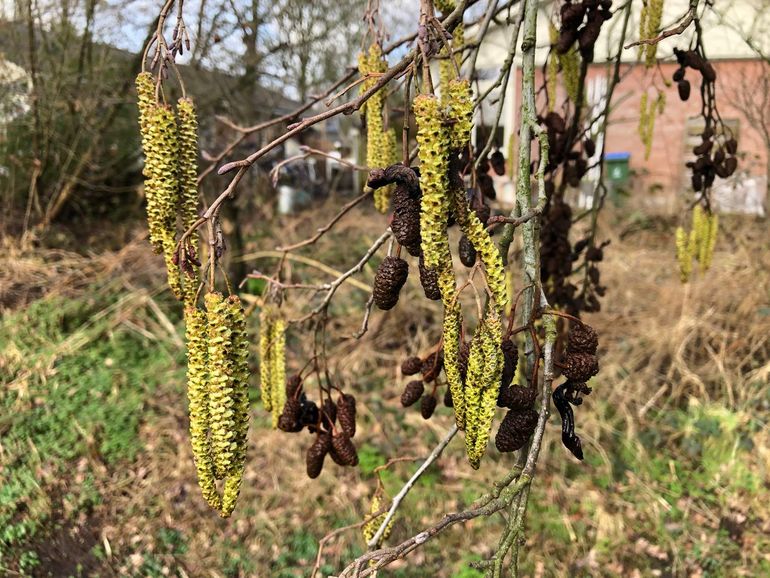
(664, 347)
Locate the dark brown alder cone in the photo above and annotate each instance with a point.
(428, 406)
(467, 252)
(731, 146)
(406, 222)
(314, 459)
(411, 365)
(448, 398)
(497, 160)
(683, 86)
(487, 186)
(414, 250)
(510, 361)
(293, 383)
(289, 420)
(391, 276)
(330, 413)
(343, 451)
(462, 358)
(412, 392)
(515, 429)
(582, 338)
(516, 397)
(346, 414)
(429, 282)
(309, 414)
(580, 367)
(431, 365)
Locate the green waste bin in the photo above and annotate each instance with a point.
(616, 175)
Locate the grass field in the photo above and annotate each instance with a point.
(96, 476)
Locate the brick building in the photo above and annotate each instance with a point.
(660, 182)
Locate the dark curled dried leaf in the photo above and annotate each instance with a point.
(397, 173)
(568, 437)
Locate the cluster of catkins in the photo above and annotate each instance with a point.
(582, 21)
(170, 144)
(578, 365)
(334, 425)
(424, 206)
(217, 389)
(381, 147)
(698, 244)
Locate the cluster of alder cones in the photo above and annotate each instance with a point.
(578, 365)
(582, 21)
(334, 425)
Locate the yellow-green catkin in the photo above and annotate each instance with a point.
(449, 65)
(651, 24)
(444, 6)
(370, 528)
(239, 356)
(711, 240)
(196, 333)
(222, 384)
(265, 381)
(552, 69)
(161, 172)
(277, 368)
(683, 254)
(647, 113)
(432, 139)
(380, 145)
(460, 112)
(481, 395)
(187, 123)
(570, 69)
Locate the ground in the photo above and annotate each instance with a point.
(96, 475)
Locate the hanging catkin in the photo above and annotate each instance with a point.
(265, 381)
(196, 333)
(432, 141)
(277, 368)
(222, 383)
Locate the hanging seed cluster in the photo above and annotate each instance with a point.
(582, 22)
(334, 425)
(170, 145)
(217, 390)
(698, 244)
(381, 147)
(272, 363)
(578, 365)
